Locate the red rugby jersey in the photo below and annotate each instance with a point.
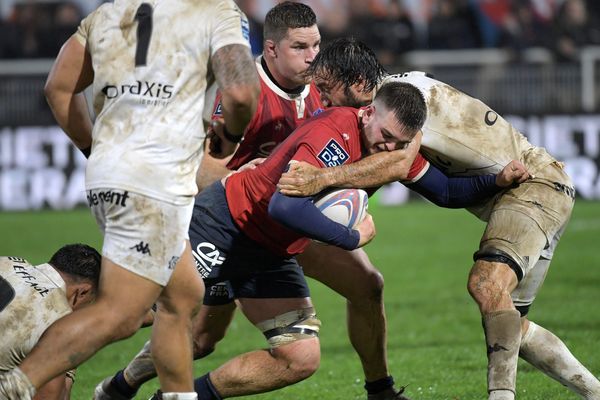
(327, 140)
(277, 115)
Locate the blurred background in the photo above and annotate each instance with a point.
(534, 61)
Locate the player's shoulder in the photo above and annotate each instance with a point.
(336, 118)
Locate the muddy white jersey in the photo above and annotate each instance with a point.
(31, 299)
(463, 136)
(151, 61)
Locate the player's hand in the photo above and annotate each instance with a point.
(251, 164)
(301, 179)
(514, 173)
(366, 228)
(219, 147)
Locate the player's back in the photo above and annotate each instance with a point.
(463, 136)
(33, 297)
(151, 66)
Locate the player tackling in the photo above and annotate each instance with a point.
(461, 136)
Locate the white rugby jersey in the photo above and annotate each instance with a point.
(31, 299)
(463, 136)
(151, 66)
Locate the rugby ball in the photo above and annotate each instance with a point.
(344, 206)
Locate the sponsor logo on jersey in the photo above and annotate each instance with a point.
(110, 196)
(490, 118)
(21, 272)
(142, 247)
(151, 93)
(333, 154)
(245, 29)
(317, 111)
(207, 256)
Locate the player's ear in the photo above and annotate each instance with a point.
(269, 48)
(83, 294)
(368, 113)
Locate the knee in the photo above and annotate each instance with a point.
(184, 306)
(301, 359)
(370, 288)
(489, 286)
(205, 345)
(121, 324)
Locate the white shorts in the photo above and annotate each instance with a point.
(141, 234)
(526, 224)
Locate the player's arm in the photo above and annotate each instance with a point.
(238, 82)
(461, 192)
(211, 168)
(301, 215)
(376, 170)
(71, 73)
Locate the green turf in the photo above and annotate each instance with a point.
(435, 338)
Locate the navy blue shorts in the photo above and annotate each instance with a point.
(233, 265)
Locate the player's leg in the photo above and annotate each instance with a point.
(171, 343)
(540, 347)
(365, 308)
(291, 328)
(490, 284)
(208, 328)
(519, 230)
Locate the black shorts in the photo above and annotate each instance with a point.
(233, 265)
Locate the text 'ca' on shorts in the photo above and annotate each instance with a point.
(233, 265)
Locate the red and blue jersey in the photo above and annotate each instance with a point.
(327, 140)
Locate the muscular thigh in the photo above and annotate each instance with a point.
(333, 267)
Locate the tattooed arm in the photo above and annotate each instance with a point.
(238, 82)
(304, 180)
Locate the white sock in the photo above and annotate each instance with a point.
(542, 349)
(180, 396)
(503, 336)
(501, 395)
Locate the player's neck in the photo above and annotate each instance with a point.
(296, 90)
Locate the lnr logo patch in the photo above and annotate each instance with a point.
(333, 154)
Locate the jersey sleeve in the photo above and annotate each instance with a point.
(418, 168)
(83, 31)
(231, 27)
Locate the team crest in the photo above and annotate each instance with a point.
(333, 154)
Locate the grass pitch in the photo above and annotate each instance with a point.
(435, 340)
